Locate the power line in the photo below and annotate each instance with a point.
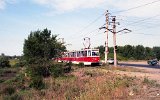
(142, 20)
(137, 7)
(155, 26)
(90, 32)
(87, 26)
(90, 23)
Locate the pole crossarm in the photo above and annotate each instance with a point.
(125, 29)
(106, 29)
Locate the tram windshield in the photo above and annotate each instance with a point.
(95, 53)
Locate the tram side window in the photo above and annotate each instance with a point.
(67, 54)
(84, 53)
(89, 53)
(77, 54)
(74, 54)
(70, 54)
(81, 55)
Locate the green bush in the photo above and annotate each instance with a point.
(20, 64)
(81, 65)
(38, 70)
(13, 97)
(4, 62)
(57, 70)
(37, 83)
(9, 90)
(69, 64)
(67, 67)
(2, 80)
(16, 97)
(149, 82)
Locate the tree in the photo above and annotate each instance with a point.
(39, 48)
(4, 61)
(148, 53)
(139, 52)
(128, 51)
(156, 51)
(41, 45)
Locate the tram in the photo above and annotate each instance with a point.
(86, 56)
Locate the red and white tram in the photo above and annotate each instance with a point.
(86, 56)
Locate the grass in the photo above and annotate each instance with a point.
(88, 83)
(119, 68)
(149, 82)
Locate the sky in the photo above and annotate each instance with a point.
(74, 20)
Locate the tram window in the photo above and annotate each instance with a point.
(85, 53)
(95, 53)
(82, 54)
(74, 54)
(70, 54)
(89, 53)
(78, 54)
(67, 54)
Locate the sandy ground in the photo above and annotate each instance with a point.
(152, 72)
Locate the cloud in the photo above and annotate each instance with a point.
(70, 5)
(62, 6)
(4, 2)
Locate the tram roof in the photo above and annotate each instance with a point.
(92, 49)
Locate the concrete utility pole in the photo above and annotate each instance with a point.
(114, 36)
(106, 43)
(114, 39)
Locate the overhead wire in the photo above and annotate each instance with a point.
(142, 20)
(87, 26)
(137, 6)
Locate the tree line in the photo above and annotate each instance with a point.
(130, 52)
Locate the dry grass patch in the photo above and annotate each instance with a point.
(122, 68)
